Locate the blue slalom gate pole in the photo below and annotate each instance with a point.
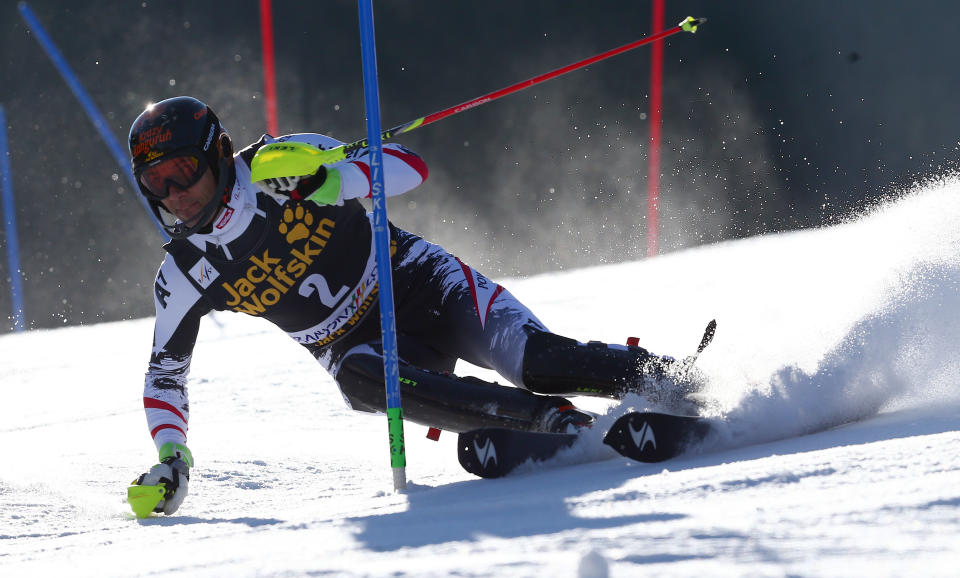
(381, 232)
(119, 154)
(10, 228)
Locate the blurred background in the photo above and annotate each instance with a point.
(776, 116)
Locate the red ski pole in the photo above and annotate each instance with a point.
(264, 156)
(688, 25)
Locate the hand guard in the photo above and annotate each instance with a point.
(164, 487)
(322, 187)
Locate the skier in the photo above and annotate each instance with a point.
(298, 251)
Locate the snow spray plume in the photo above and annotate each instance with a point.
(900, 355)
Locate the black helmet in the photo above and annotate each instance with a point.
(175, 127)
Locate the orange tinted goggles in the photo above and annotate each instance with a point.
(182, 171)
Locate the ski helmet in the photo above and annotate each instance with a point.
(182, 126)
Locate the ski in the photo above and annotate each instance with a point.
(641, 436)
(495, 452)
(655, 437)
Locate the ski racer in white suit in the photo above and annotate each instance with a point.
(299, 252)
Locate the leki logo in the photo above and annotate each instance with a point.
(485, 452)
(643, 436)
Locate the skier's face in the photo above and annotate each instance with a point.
(187, 203)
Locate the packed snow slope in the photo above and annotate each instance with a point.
(835, 365)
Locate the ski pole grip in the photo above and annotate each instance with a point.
(690, 24)
(291, 159)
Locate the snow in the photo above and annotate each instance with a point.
(816, 328)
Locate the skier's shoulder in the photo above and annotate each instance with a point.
(172, 289)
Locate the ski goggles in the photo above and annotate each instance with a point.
(181, 170)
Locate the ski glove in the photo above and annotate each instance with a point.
(322, 187)
(164, 487)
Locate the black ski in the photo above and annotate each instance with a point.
(655, 437)
(495, 452)
(641, 436)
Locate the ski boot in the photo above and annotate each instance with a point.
(557, 365)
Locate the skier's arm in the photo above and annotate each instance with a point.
(179, 307)
(350, 178)
(402, 170)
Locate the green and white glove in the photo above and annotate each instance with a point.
(273, 163)
(164, 487)
(322, 187)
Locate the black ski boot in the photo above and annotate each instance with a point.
(557, 365)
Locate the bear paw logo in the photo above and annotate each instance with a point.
(296, 223)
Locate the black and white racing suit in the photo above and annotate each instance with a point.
(310, 269)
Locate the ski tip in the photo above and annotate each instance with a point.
(654, 437)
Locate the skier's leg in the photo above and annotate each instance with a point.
(446, 310)
(431, 394)
(449, 402)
